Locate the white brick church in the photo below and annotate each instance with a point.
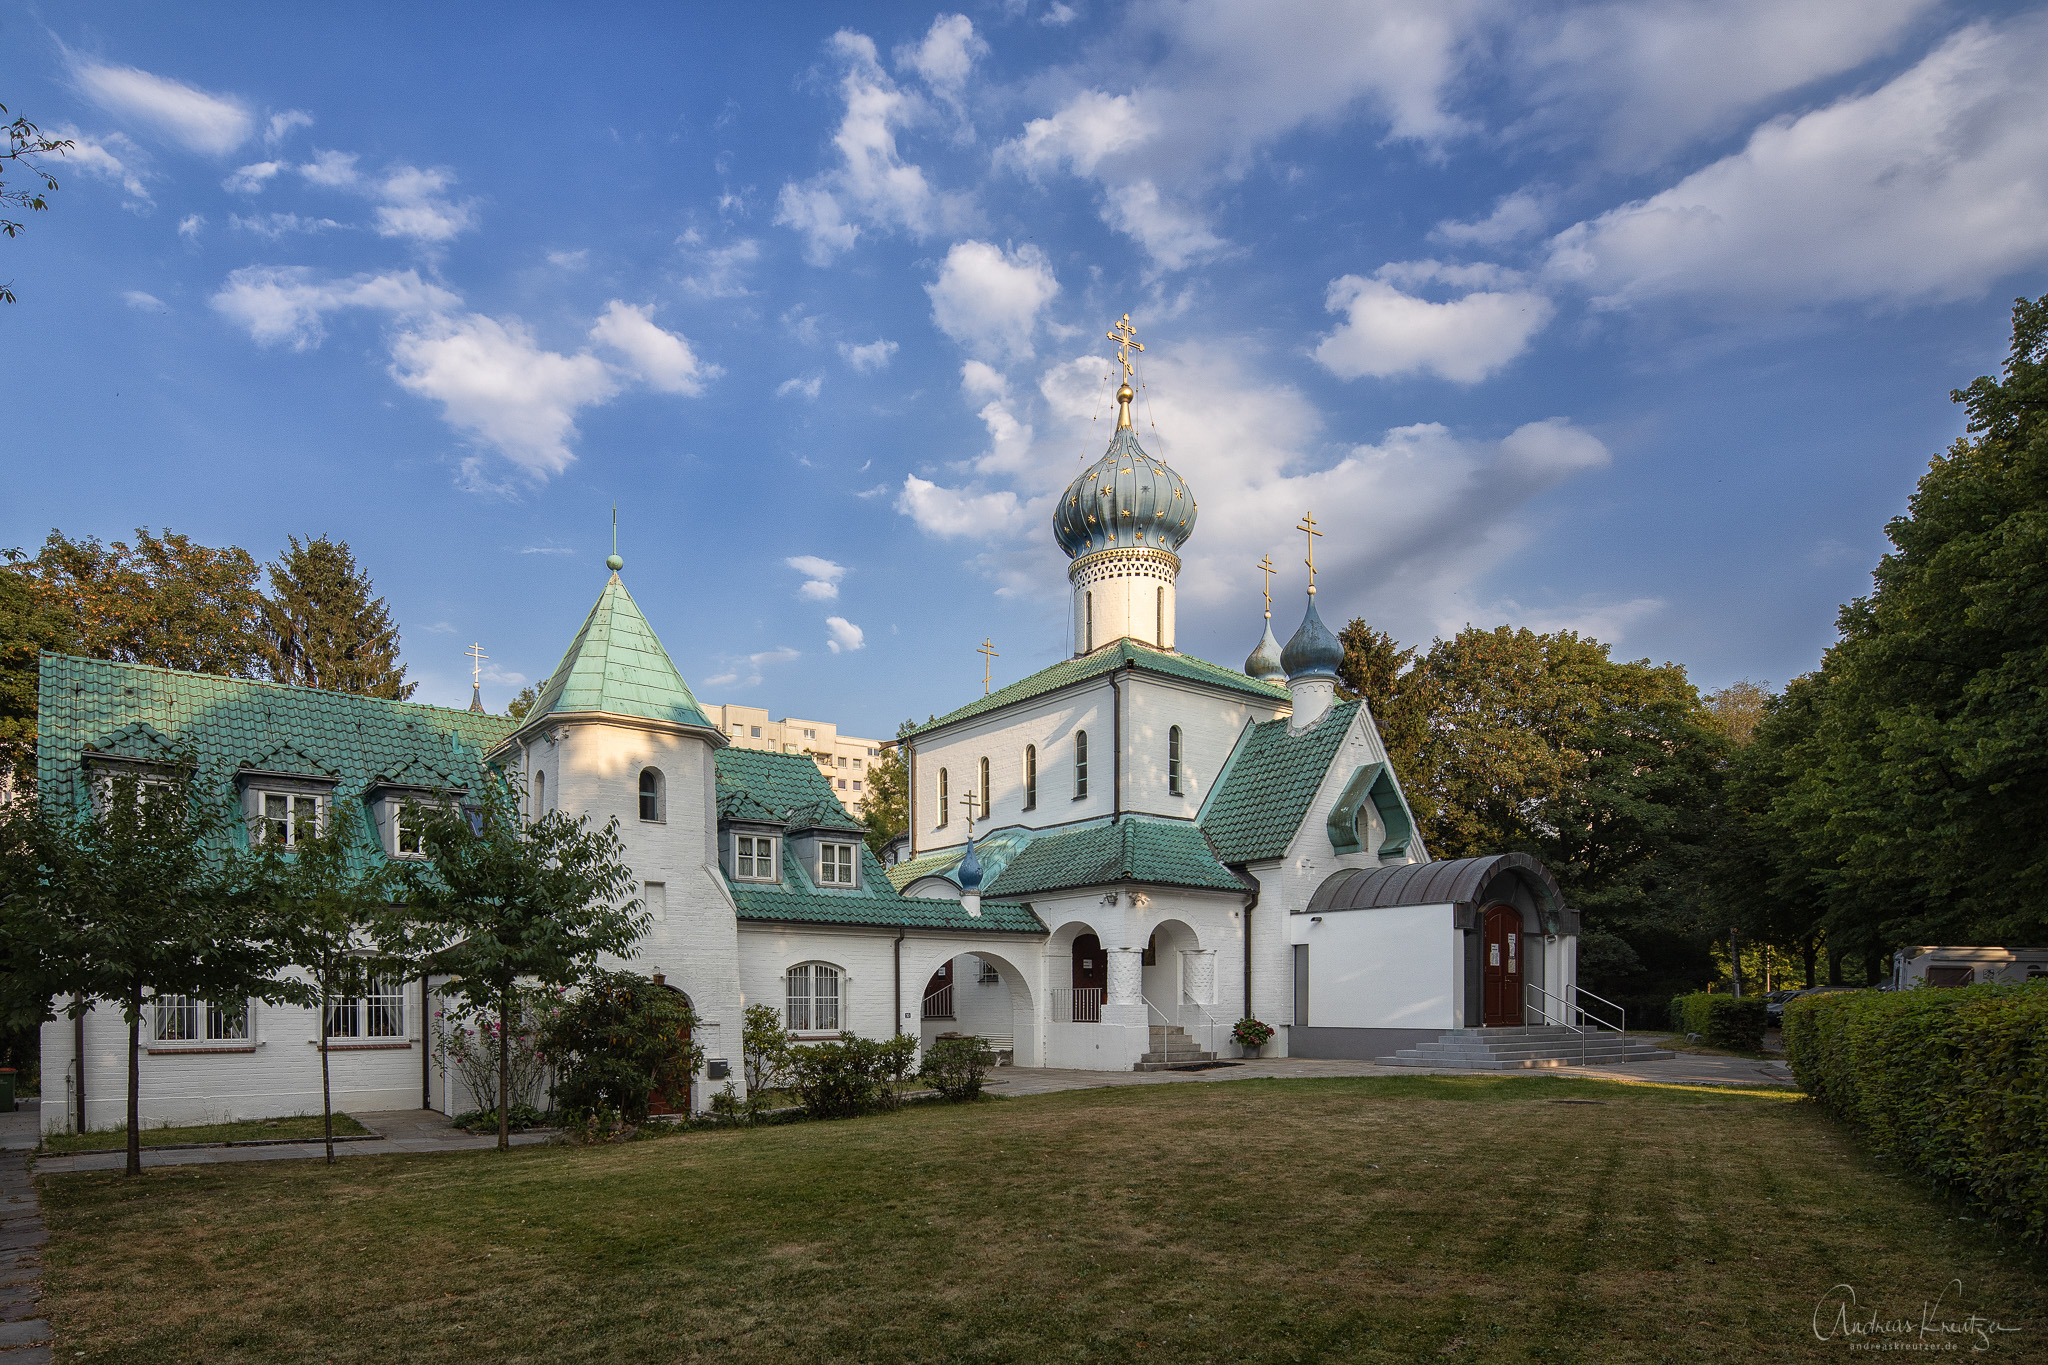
(1111, 861)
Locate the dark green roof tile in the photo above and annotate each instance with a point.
(1267, 785)
(1134, 849)
(616, 666)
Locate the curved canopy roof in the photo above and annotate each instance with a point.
(1457, 881)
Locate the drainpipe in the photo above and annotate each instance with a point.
(899, 981)
(1251, 903)
(1116, 749)
(78, 1057)
(426, 1049)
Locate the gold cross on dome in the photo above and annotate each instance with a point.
(1126, 338)
(1266, 567)
(987, 650)
(476, 665)
(1308, 524)
(973, 804)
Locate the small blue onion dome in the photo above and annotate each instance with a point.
(1264, 663)
(968, 874)
(1126, 498)
(1313, 652)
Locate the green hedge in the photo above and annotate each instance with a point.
(1722, 1020)
(1951, 1083)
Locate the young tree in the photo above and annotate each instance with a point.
(322, 628)
(323, 899)
(25, 143)
(1377, 668)
(164, 601)
(500, 900)
(27, 627)
(886, 812)
(129, 901)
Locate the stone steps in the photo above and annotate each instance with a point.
(1172, 1050)
(1531, 1047)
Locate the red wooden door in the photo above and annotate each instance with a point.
(1091, 979)
(1502, 962)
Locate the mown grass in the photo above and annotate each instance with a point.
(248, 1130)
(1381, 1219)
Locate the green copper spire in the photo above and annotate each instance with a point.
(616, 666)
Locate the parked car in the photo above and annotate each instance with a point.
(1774, 1003)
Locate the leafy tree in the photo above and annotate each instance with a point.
(164, 601)
(1737, 709)
(520, 705)
(129, 900)
(1377, 668)
(621, 1041)
(764, 1050)
(27, 627)
(886, 812)
(322, 628)
(500, 900)
(25, 143)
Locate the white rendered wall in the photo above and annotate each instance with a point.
(1210, 724)
(1124, 921)
(1396, 967)
(1129, 592)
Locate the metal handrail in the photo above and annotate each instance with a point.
(1622, 1027)
(1563, 1023)
(1208, 1020)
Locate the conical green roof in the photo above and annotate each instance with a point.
(616, 665)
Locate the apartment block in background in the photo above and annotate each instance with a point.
(844, 759)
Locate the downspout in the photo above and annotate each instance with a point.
(78, 1058)
(1251, 903)
(899, 981)
(910, 804)
(1116, 749)
(426, 1048)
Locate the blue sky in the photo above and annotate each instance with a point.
(1634, 318)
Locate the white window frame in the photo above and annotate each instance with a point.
(945, 815)
(377, 1014)
(750, 852)
(660, 795)
(834, 858)
(1080, 765)
(186, 1019)
(813, 998)
(1031, 777)
(1175, 745)
(266, 824)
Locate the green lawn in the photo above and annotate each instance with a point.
(249, 1130)
(1396, 1219)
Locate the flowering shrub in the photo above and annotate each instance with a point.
(1251, 1034)
(469, 1050)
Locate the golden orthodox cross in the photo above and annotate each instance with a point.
(476, 665)
(1126, 338)
(987, 650)
(1308, 524)
(973, 804)
(1266, 567)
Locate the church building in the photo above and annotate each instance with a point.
(1110, 862)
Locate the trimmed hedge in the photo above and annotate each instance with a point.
(1722, 1020)
(1952, 1083)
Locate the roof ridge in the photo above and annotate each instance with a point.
(295, 688)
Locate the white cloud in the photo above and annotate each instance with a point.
(947, 55)
(496, 384)
(978, 380)
(1931, 187)
(988, 299)
(143, 303)
(873, 184)
(721, 271)
(807, 387)
(1388, 332)
(281, 125)
(276, 225)
(1515, 215)
(569, 260)
(949, 512)
(112, 158)
(1058, 14)
(845, 636)
(333, 170)
(193, 118)
(1089, 127)
(821, 577)
(415, 206)
(748, 670)
(875, 355)
(251, 179)
(1173, 234)
(663, 360)
(286, 304)
(190, 224)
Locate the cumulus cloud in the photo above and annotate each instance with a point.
(285, 305)
(193, 118)
(333, 170)
(1930, 187)
(501, 388)
(979, 380)
(252, 178)
(1389, 332)
(280, 125)
(660, 359)
(807, 387)
(569, 260)
(873, 184)
(875, 355)
(946, 56)
(821, 577)
(1058, 14)
(112, 158)
(843, 636)
(748, 669)
(988, 299)
(411, 202)
(189, 226)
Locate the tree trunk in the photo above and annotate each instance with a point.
(326, 1086)
(1735, 961)
(505, 1070)
(1834, 965)
(1806, 954)
(135, 1081)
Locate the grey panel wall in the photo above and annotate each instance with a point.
(1301, 985)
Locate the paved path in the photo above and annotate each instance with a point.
(398, 1130)
(24, 1333)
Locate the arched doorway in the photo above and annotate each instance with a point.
(1501, 960)
(1091, 979)
(656, 1104)
(938, 993)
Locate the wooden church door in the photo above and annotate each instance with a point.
(656, 1104)
(1503, 966)
(1091, 979)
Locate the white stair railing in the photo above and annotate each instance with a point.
(1207, 1025)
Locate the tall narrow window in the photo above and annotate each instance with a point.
(1159, 619)
(984, 789)
(650, 795)
(1080, 764)
(1089, 598)
(540, 795)
(1173, 760)
(1030, 777)
(944, 802)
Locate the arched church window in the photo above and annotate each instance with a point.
(1031, 777)
(984, 788)
(944, 802)
(540, 795)
(1080, 764)
(650, 795)
(1173, 760)
(1090, 600)
(812, 998)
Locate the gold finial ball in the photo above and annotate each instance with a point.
(1125, 394)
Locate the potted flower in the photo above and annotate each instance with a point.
(1251, 1035)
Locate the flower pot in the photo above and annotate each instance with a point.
(1249, 1051)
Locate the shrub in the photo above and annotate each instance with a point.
(1722, 1020)
(956, 1067)
(851, 1076)
(619, 1043)
(1952, 1083)
(1251, 1034)
(524, 1116)
(469, 1049)
(764, 1050)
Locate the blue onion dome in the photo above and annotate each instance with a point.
(1313, 652)
(1264, 663)
(1126, 498)
(968, 874)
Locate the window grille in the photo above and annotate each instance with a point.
(179, 1019)
(989, 975)
(813, 998)
(1080, 764)
(379, 1012)
(287, 819)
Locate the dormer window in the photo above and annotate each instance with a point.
(836, 864)
(754, 858)
(408, 830)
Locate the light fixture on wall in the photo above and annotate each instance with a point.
(1315, 919)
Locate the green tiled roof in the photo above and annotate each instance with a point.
(1134, 849)
(234, 723)
(992, 851)
(1108, 659)
(1267, 785)
(616, 665)
(791, 788)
